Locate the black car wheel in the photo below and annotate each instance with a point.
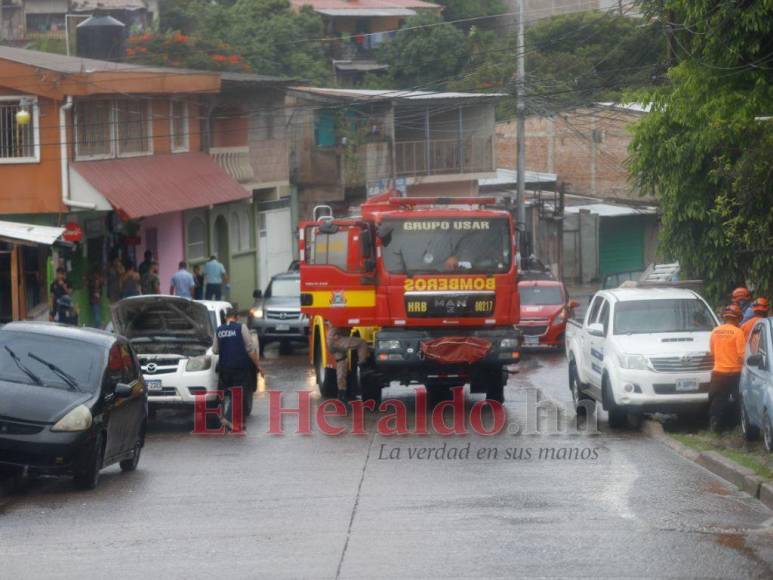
(88, 476)
(495, 385)
(131, 464)
(579, 397)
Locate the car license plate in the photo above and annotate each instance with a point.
(686, 385)
(282, 327)
(530, 340)
(153, 385)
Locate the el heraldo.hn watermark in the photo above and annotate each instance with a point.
(294, 412)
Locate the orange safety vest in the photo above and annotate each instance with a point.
(727, 345)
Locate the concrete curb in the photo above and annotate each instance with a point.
(742, 477)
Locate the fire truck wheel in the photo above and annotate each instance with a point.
(495, 385)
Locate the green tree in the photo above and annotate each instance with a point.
(702, 152)
(269, 35)
(462, 9)
(426, 57)
(571, 60)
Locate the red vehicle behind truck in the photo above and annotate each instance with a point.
(545, 309)
(430, 283)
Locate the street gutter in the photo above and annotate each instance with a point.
(742, 477)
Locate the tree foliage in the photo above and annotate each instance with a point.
(466, 9)
(425, 57)
(176, 49)
(702, 152)
(571, 60)
(272, 38)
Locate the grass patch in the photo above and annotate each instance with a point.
(760, 462)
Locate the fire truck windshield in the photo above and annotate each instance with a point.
(430, 245)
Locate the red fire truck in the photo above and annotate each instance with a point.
(429, 282)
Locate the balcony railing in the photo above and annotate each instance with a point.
(444, 156)
(235, 161)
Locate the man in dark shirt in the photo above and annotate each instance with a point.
(238, 362)
(57, 290)
(146, 264)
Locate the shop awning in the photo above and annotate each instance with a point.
(145, 186)
(19, 233)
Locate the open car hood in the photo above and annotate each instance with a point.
(167, 316)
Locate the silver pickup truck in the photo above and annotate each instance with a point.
(276, 315)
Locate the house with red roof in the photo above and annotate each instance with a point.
(132, 158)
(359, 27)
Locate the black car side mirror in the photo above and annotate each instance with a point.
(257, 294)
(756, 360)
(123, 390)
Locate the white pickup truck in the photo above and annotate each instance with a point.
(641, 350)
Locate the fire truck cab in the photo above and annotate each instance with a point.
(430, 283)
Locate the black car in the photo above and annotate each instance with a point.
(72, 401)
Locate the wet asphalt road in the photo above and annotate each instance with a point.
(315, 506)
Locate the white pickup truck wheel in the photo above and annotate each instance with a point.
(617, 416)
(579, 398)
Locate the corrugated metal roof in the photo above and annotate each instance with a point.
(391, 95)
(352, 4)
(29, 233)
(366, 11)
(92, 5)
(509, 177)
(609, 210)
(75, 65)
(631, 107)
(233, 77)
(145, 186)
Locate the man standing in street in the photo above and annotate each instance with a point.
(151, 283)
(238, 364)
(214, 275)
(727, 345)
(182, 282)
(339, 343)
(58, 289)
(743, 299)
(146, 264)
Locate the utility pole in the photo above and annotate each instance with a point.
(520, 94)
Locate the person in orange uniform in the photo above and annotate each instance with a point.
(742, 298)
(759, 310)
(727, 345)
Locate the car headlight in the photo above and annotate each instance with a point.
(508, 343)
(560, 319)
(256, 312)
(636, 362)
(388, 345)
(198, 363)
(79, 419)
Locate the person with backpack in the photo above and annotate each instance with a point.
(66, 309)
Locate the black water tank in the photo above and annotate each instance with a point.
(101, 37)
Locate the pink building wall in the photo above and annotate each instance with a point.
(169, 250)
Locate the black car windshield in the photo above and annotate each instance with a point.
(660, 316)
(540, 295)
(83, 361)
(285, 288)
(433, 245)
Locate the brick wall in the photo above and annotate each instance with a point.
(586, 149)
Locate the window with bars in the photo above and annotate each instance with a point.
(179, 126)
(18, 143)
(94, 129)
(132, 121)
(105, 128)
